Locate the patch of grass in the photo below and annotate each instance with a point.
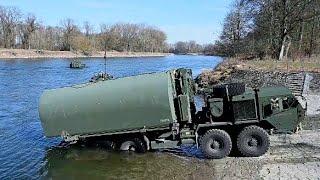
(304, 64)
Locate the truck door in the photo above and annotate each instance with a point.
(244, 107)
(284, 113)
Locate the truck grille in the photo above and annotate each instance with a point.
(244, 110)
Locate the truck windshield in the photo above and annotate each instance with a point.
(289, 102)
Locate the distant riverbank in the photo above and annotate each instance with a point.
(7, 54)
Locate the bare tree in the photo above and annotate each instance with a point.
(278, 28)
(105, 37)
(29, 33)
(88, 28)
(69, 31)
(26, 29)
(9, 18)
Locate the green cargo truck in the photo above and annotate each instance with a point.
(157, 110)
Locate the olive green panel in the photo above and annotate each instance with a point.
(283, 120)
(184, 108)
(216, 106)
(248, 95)
(186, 82)
(137, 102)
(244, 106)
(274, 91)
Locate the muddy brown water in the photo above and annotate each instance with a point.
(26, 154)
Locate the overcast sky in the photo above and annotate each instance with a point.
(182, 20)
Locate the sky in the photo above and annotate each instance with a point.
(181, 20)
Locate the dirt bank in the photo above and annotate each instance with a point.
(7, 54)
(253, 74)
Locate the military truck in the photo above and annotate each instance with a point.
(157, 110)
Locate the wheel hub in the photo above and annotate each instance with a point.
(253, 142)
(132, 148)
(215, 145)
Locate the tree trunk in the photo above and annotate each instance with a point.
(282, 48)
(311, 39)
(283, 29)
(281, 52)
(288, 46)
(301, 38)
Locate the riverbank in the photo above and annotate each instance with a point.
(7, 54)
(253, 70)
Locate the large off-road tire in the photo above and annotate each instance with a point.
(216, 144)
(231, 89)
(135, 144)
(253, 141)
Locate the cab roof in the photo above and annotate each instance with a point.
(274, 91)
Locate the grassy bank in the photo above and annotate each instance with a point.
(305, 64)
(7, 54)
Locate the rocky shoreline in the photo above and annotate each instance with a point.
(8, 54)
(231, 71)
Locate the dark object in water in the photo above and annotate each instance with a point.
(77, 65)
(101, 76)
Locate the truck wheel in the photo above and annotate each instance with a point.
(108, 145)
(216, 144)
(136, 145)
(253, 141)
(234, 89)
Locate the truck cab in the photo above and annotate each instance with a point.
(246, 116)
(275, 107)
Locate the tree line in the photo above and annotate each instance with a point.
(26, 31)
(276, 28)
(187, 47)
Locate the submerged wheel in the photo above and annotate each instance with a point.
(108, 145)
(101, 143)
(253, 141)
(135, 144)
(216, 144)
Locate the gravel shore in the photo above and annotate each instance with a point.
(295, 156)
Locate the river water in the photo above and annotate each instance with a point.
(26, 154)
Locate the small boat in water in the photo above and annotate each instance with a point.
(77, 65)
(101, 76)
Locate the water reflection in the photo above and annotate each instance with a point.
(84, 163)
